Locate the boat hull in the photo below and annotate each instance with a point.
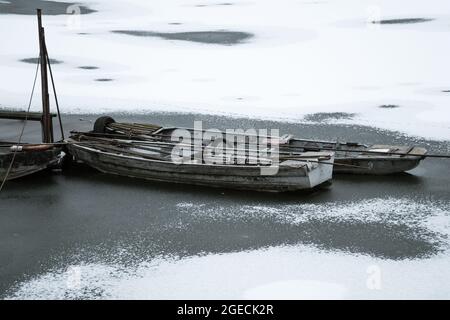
(288, 178)
(353, 158)
(26, 163)
(375, 166)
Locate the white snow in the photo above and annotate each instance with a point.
(305, 57)
(286, 272)
(431, 213)
(281, 272)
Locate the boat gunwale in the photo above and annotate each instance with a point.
(359, 154)
(301, 165)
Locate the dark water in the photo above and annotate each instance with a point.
(104, 79)
(326, 116)
(210, 37)
(35, 61)
(50, 221)
(88, 67)
(388, 106)
(48, 7)
(403, 21)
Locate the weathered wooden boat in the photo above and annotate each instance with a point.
(350, 157)
(139, 155)
(356, 158)
(18, 159)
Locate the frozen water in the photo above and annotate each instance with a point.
(297, 271)
(304, 57)
(306, 61)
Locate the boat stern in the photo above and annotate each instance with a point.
(321, 172)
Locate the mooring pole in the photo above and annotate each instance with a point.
(47, 125)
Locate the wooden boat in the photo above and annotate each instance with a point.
(19, 159)
(28, 159)
(356, 158)
(353, 158)
(140, 155)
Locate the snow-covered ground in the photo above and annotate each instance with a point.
(305, 57)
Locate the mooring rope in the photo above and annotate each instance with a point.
(23, 128)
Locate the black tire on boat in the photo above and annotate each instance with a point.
(101, 123)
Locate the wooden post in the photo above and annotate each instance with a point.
(47, 126)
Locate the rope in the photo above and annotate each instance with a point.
(23, 128)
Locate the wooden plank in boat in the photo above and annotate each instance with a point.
(22, 115)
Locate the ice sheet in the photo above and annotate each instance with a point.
(297, 271)
(304, 57)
